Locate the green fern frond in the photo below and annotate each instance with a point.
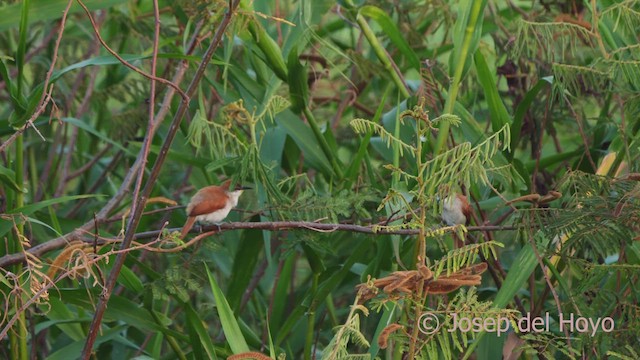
(219, 140)
(346, 333)
(464, 257)
(448, 118)
(555, 40)
(362, 126)
(628, 70)
(599, 215)
(463, 164)
(576, 79)
(308, 206)
(624, 15)
(276, 104)
(396, 170)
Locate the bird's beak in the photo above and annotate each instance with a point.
(246, 188)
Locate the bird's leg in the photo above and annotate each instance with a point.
(219, 228)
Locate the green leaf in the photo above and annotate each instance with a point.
(7, 177)
(281, 294)
(323, 291)
(130, 280)
(522, 109)
(230, 326)
(523, 266)
(73, 350)
(200, 338)
(269, 48)
(17, 100)
(499, 114)
(90, 129)
(59, 311)
(306, 141)
(30, 209)
(42, 10)
(121, 309)
(466, 35)
(298, 86)
(245, 261)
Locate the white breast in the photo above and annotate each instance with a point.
(219, 215)
(452, 211)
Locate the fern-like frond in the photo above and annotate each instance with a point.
(625, 15)
(346, 333)
(448, 118)
(361, 126)
(576, 79)
(600, 215)
(218, 139)
(464, 257)
(275, 105)
(628, 71)
(555, 40)
(463, 164)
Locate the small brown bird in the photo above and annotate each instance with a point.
(456, 210)
(212, 204)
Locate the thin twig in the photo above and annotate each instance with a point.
(125, 62)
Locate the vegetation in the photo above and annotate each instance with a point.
(353, 121)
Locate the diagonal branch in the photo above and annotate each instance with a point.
(136, 212)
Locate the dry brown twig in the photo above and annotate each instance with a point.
(82, 264)
(58, 243)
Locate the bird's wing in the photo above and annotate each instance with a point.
(207, 200)
(466, 207)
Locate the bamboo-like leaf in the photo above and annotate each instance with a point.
(230, 326)
(194, 323)
(7, 177)
(306, 141)
(526, 262)
(298, 86)
(499, 114)
(42, 10)
(246, 259)
(522, 109)
(270, 49)
(101, 135)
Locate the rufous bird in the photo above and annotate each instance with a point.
(212, 204)
(456, 211)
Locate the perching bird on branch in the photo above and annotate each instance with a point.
(212, 204)
(456, 211)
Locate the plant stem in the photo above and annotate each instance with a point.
(337, 168)
(311, 318)
(382, 55)
(476, 10)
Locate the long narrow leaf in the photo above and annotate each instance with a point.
(228, 320)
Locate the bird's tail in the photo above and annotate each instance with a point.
(187, 226)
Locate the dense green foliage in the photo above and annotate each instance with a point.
(352, 121)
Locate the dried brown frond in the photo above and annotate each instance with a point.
(405, 283)
(63, 257)
(384, 334)
(249, 355)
